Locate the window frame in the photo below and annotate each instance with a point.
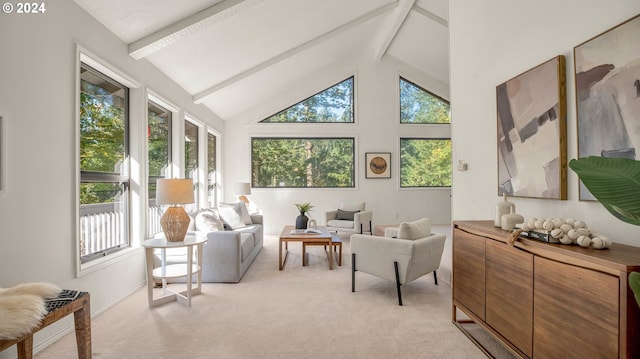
(123, 179)
(353, 162)
(353, 107)
(402, 78)
(157, 102)
(426, 138)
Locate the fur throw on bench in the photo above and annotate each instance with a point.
(22, 307)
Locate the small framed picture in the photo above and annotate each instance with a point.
(378, 164)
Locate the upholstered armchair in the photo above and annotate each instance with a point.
(349, 218)
(415, 252)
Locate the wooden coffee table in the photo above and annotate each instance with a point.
(286, 236)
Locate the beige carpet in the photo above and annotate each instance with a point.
(300, 312)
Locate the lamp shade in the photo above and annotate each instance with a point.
(174, 191)
(242, 189)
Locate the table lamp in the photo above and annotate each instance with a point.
(175, 220)
(242, 190)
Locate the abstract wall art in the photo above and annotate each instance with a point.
(607, 74)
(532, 132)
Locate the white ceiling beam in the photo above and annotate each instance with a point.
(186, 27)
(199, 97)
(404, 7)
(430, 15)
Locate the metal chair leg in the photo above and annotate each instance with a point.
(435, 277)
(353, 272)
(395, 265)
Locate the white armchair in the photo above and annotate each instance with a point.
(414, 253)
(349, 218)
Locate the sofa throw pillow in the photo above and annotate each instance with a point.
(241, 209)
(346, 215)
(208, 220)
(231, 217)
(415, 230)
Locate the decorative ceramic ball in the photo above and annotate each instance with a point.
(583, 241)
(557, 233)
(566, 228)
(557, 223)
(583, 231)
(598, 243)
(573, 234)
(570, 221)
(539, 223)
(532, 223)
(579, 224)
(547, 225)
(565, 239)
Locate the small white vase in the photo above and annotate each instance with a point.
(503, 207)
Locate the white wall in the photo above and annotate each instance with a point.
(377, 129)
(37, 101)
(492, 41)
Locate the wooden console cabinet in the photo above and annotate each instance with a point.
(545, 300)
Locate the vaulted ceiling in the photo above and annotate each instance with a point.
(231, 55)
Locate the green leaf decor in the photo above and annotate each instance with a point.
(615, 182)
(634, 283)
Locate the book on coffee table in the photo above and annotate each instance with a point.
(306, 231)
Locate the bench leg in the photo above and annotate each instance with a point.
(82, 320)
(25, 347)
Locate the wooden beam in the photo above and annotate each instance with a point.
(186, 27)
(404, 6)
(199, 97)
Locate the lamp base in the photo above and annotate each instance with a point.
(175, 223)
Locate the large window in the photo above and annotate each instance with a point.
(418, 105)
(302, 162)
(334, 104)
(104, 173)
(191, 158)
(159, 157)
(425, 162)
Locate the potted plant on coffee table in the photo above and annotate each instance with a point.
(302, 219)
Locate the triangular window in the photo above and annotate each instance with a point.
(418, 105)
(333, 105)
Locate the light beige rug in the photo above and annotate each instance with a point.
(300, 312)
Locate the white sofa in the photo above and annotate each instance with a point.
(227, 255)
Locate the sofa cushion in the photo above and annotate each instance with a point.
(246, 244)
(231, 217)
(415, 230)
(346, 215)
(208, 220)
(338, 223)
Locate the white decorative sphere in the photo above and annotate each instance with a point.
(525, 227)
(539, 223)
(566, 228)
(557, 223)
(547, 225)
(573, 234)
(570, 221)
(579, 224)
(532, 222)
(565, 239)
(583, 231)
(556, 233)
(584, 241)
(598, 243)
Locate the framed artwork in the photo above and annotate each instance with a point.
(607, 74)
(532, 132)
(378, 164)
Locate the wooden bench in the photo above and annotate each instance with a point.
(336, 243)
(65, 303)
